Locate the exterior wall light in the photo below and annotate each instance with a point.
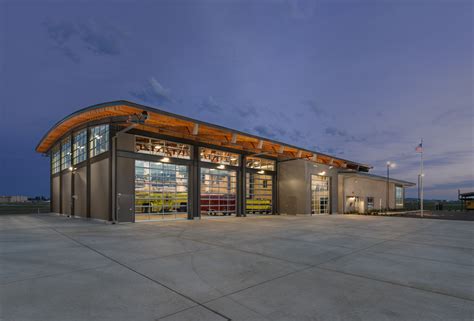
(261, 172)
(322, 173)
(165, 159)
(221, 167)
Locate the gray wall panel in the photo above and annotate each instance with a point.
(66, 193)
(100, 189)
(125, 189)
(126, 142)
(55, 196)
(292, 188)
(80, 192)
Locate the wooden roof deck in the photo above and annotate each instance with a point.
(183, 127)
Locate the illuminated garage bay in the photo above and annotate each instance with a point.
(161, 191)
(218, 192)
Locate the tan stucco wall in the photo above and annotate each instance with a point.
(365, 187)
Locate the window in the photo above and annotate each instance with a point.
(219, 157)
(260, 163)
(162, 147)
(399, 196)
(320, 194)
(370, 203)
(56, 159)
(99, 140)
(79, 151)
(66, 153)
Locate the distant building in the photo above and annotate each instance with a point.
(121, 161)
(467, 200)
(13, 199)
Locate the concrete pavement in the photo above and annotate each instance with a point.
(340, 267)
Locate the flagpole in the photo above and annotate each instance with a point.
(421, 180)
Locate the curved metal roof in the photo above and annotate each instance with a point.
(180, 126)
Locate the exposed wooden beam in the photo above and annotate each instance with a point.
(196, 129)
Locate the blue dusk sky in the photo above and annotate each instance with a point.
(361, 80)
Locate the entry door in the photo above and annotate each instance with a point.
(161, 191)
(258, 193)
(218, 192)
(320, 194)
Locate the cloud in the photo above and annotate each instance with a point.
(247, 111)
(314, 108)
(333, 131)
(297, 136)
(153, 92)
(101, 39)
(210, 105)
(329, 150)
(72, 38)
(264, 131)
(463, 185)
(302, 9)
(455, 115)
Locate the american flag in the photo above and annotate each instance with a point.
(419, 148)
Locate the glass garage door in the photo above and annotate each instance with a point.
(218, 192)
(259, 193)
(319, 194)
(161, 191)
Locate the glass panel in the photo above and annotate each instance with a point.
(161, 191)
(398, 196)
(320, 194)
(218, 192)
(162, 147)
(260, 163)
(259, 194)
(370, 203)
(219, 157)
(56, 159)
(66, 153)
(99, 140)
(79, 150)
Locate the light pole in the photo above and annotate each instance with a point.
(389, 165)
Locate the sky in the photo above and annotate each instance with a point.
(360, 80)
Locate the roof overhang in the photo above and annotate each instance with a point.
(376, 177)
(170, 124)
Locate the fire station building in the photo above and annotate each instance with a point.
(124, 162)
